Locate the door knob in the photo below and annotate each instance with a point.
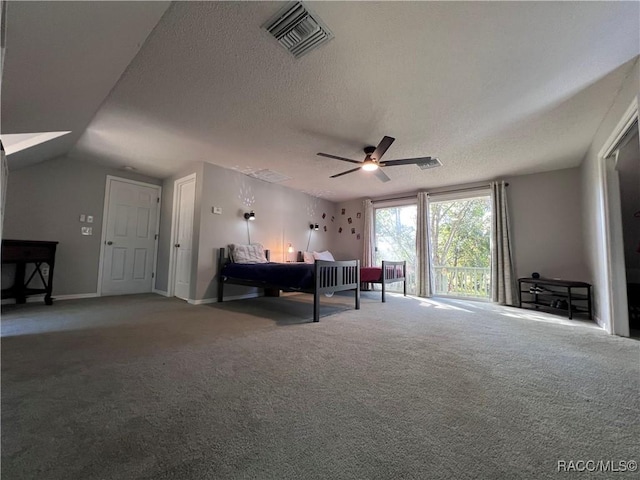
(109, 242)
(177, 245)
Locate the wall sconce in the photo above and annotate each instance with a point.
(250, 216)
(313, 226)
(290, 249)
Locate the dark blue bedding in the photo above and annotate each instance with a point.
(288, 276)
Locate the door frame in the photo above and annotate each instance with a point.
(105, 213)
(171, 283)
(616, 307)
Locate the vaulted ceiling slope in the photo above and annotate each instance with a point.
(491, 89)
(62, 60)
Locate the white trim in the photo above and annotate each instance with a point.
(160, 292)
(105, 213)
(205, 301)
(174, 214)
(40, 298)
(630, 115)
(615, 319)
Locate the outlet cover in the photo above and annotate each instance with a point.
(217, 210)
(87, 230)
(82, 217)
(89, 218)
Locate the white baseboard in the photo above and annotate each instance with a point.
(205, 301)
(160, 292)
(40, 298)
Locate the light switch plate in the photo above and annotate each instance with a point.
(87, 230)
(217, 210)
(89, 218)
(82, 217)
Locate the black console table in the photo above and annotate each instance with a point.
(555, 295)
(22, 252)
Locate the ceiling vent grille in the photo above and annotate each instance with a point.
(433, 162)
(298, 30)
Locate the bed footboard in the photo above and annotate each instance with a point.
(394, 272)
(333, 277)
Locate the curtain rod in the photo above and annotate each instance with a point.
(455, 190)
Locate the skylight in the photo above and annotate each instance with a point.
(15, 142)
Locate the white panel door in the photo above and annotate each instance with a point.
(185, 200)
(130, 230)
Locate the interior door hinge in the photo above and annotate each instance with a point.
(153, 274)
(155, 236)
(158, 200)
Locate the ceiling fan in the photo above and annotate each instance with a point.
(372, 161)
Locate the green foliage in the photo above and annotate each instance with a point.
(460, 235)
(460, 232)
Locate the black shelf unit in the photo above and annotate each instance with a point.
(547, 291)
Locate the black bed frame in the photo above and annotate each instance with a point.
(329, 277)
(391, 274)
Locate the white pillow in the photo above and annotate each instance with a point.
(326, 255)
(253, 253)
(308, 257)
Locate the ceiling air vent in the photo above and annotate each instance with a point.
(433, 162)
(297, 29)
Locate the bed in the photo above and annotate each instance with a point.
(321, 277)
(390, 272)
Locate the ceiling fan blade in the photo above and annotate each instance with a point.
(381, 175)
(337, 158)
(382, 147)
(406, 161)
(344, 173)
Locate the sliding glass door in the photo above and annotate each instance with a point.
(461, 246)
(395, 232)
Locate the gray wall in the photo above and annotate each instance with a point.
(546, 223)
(282, 217)
(44, 202)
(345, 245)
(593, 197)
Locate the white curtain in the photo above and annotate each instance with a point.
(369, 243)
(502, 278)
(423, 248)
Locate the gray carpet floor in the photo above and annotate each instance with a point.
(146, 387)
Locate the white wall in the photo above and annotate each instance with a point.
(593, 198)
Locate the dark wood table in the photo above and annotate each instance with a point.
(21, 253)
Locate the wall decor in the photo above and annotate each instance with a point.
(325, 228)
(353, 231)
(340, 230)
(343, 210)
(332, 218)
(358, 237)
(324, 215)
(358, 215)
(350, 220)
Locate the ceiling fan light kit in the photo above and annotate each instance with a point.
(372, 161)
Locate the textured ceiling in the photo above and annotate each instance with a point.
(492, 89)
